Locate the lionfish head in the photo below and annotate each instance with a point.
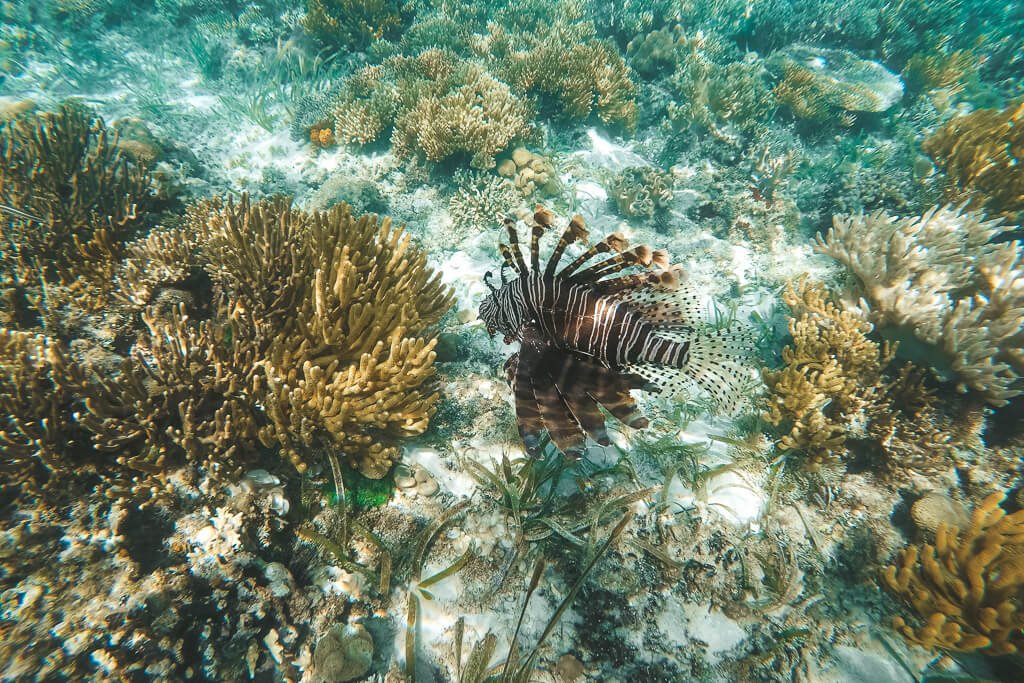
(489, 307)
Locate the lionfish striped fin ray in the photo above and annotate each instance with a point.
(575, 231)
(637, 256)
(613, 242)
(506, 255)
(572, 378)
(513, 244)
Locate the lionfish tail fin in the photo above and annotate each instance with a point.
(713, 362)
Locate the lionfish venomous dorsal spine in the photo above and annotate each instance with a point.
(590, 333)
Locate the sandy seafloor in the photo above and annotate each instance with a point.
(760, 573)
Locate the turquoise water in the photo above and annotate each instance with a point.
(543, 341)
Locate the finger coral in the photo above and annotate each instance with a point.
(79, 198)
(352, 25)
(341, 311)
(436, 105)
(982, 154)
(968, 588)
(940, 284)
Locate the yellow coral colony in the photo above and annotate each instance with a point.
(982, 154)
(832, 370)
(341, 312)
(968, 588)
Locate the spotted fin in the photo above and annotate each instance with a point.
(714, 364)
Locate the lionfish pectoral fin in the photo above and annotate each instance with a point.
(520, 375)
(713, 363)
(571, 375)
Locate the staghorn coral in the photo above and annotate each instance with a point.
(321, 337)
(968, 588)
(353, 25)
(37, 434)
(725, 99)
(81, 197)
(982, 154)
(480, 201)
(941, 285)
(566, 63)
(477, 115)
(832, 390)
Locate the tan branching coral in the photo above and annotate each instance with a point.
(36, 430)
(566, 63)
(79, 198)
(341, 311)
(940, 281)
(832, 389)
(982, 154)
(832, 371)
(968, 588)
(478, 116)
(352, 24)
(437, 106)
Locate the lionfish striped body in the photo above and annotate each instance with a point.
(590, 334)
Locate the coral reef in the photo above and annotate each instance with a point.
(941, 285)
(968, 587)
(832, 390)
(480, 201)
(642, 191)
(820, 84)
(726, 100)
(982, 154)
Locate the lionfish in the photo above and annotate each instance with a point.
(589, 334)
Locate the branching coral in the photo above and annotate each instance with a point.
(832, 390)
(350, 24)
(983, 157)
(341, 311)
(437, 105)
(724, 100)
(36, 430)
(65, 170)
(940, 281)
(969, 587)
(480, 200)
(322, 337)
(566, 63)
